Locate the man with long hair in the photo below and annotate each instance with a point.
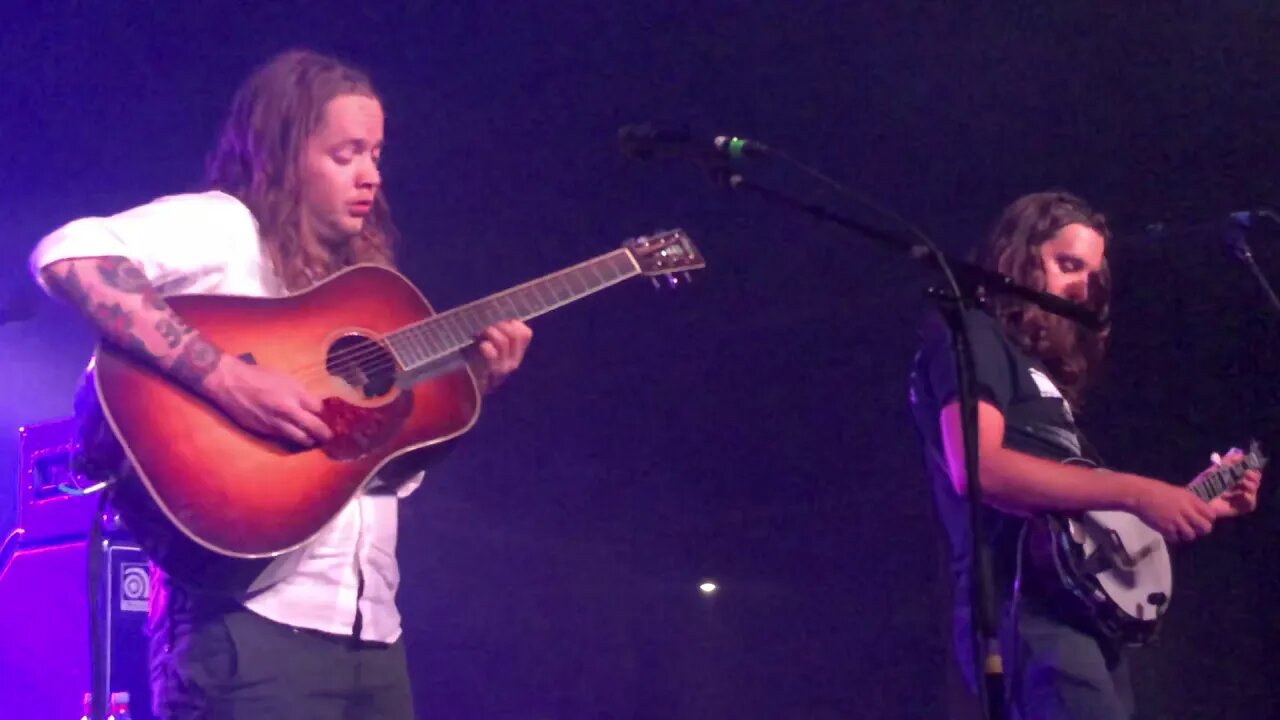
(1032, 372)
(294, 195)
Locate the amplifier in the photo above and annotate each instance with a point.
(46, 514)
(44, 609)
(44, 620)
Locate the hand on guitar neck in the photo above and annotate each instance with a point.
(498, 352)
(1173, 511)
(1180, 513)
(1240, 499)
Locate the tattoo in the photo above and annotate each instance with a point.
(134, 344)
(153, 299)
(115, 321)
(197, 359)
(117, 327)
(173, 331)
(70, 287)
(122, 274)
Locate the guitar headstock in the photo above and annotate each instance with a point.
(1254, 459)
(665, 254)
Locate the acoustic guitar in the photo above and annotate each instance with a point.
(195, 488)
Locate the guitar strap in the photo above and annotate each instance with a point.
(1088, 451)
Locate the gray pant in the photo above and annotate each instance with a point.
(1057, 672)
(227, 663)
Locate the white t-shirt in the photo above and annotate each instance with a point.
(208, 243)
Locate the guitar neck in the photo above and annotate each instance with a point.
(439, 336)
(1214, 483)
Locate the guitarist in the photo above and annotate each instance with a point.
(294, 195)
(1032, 371)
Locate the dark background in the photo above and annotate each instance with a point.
(753, 429)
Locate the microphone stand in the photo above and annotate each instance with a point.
(1234, 236)
(965, 286)
(1239, 246)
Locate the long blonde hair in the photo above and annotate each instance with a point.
(257, 157)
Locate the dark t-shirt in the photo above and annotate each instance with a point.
(1038, 422)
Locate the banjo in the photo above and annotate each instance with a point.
(1111, 569)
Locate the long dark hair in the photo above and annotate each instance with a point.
(1072, 354)
(257, 157)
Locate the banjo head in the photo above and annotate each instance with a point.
(1131, 560)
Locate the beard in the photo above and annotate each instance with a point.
(1069, 351)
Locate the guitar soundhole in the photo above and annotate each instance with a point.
(363, 364)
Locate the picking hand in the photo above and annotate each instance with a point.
(267, 402)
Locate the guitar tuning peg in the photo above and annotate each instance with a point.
(672, 281)
(656, 282)
(687, 277)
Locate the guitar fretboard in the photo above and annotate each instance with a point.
(437, 337)
(1213, 484)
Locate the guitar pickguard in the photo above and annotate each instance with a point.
(358, 431)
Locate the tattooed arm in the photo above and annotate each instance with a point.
(126, 308)
(114, 294)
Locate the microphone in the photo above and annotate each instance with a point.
(1238, 226)
(646, 141)
(1236, 221)
(1251, 218)
(736, 147)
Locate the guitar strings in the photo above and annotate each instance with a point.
(590, 285)
(351, 358)
(355, 359)
(375, 348)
